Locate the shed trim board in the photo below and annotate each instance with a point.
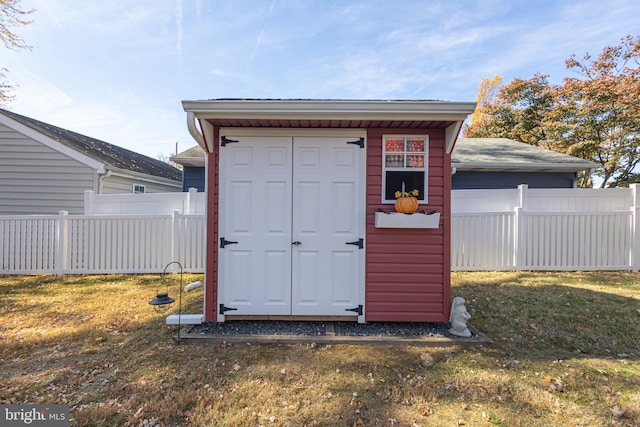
(402, 275)
(330, 109)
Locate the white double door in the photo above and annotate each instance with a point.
(291, 220)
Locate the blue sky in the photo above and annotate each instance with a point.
(117, 70)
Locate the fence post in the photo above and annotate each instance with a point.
(519, 234)
(63, 238)
(88, 202)
(175, 239)
(634, 258)
(191, 201)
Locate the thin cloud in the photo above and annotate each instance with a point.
(179, 29)
(259, 41)
(255, 49)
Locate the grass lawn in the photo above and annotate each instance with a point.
(565, 353)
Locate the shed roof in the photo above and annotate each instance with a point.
(103, 152)
(502, 154)
(327, 113)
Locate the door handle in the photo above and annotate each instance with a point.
(296, 243)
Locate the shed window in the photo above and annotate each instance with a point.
(404, 166)
(138, 189)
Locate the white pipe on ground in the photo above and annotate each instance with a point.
(192, 286)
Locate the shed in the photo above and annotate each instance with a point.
(294, 194)
(45, 169)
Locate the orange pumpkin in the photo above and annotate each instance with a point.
(406, 205)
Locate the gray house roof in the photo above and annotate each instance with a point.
(101, 151)
(193, 156)
(501, 154)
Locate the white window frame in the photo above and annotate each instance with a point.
(423, 197)
(138, 186)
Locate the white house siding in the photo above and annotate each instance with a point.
(35, 179)
(118, 184)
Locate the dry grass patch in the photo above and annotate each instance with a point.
(565, 353)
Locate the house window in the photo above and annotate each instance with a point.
(404, 165)
(138, 189)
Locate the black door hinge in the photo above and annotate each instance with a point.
(224, 141)
(359, 243)
(224, 309)
(224, 242)
(357, 309)
(359, 142)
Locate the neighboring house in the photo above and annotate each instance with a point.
(45, 169)
(494, 163)
(294, 194)
(478, 163)
(192, 161)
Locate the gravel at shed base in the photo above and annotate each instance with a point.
(273, 327)
(260, 327)
(393, 329)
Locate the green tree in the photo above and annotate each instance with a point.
(595, 116)
(11, 16)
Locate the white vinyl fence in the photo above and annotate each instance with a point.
(190, 202)
(83, 244)
(550, 229)
(519, 229)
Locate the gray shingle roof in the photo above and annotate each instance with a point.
(104, 152)
(506, 154)
(193, 156)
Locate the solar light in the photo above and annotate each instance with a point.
(162, 301)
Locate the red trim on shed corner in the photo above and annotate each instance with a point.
(211, 272)
(446, 226)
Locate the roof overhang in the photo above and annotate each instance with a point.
(189, 161)
(412, 114)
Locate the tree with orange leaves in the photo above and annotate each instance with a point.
(595, 116)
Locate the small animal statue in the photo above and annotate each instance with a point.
(458, 318)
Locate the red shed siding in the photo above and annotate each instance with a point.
(407, 277)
